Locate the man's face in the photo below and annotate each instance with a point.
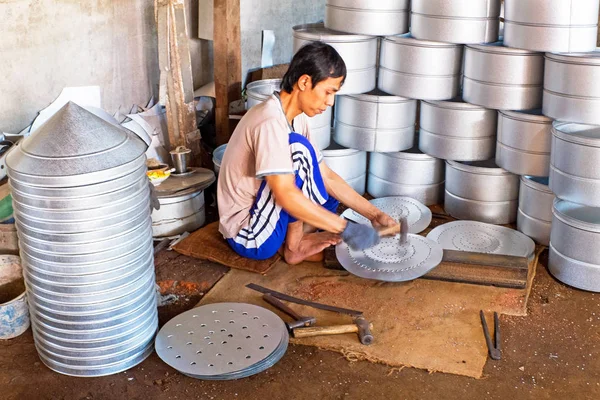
(315, 99)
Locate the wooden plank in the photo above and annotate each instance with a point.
(9, 243)
(467, 267)
(227, 63)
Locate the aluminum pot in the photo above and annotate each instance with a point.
(367, 17)
(524, 140)
(375, 121)
(419, 69)
(503, 78)
(455, 21)
(574, 251)
(408, 173)
(551, 25)
(534, 217)
(481, 191)
(358, 51)
(454, 130)
(320, 124)
(349, 164)
(183, 212)
(574, 161)
(572, 87)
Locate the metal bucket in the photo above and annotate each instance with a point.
(14, 314)
(481, 191)
(419, 69)
(358, 51)
(524, 140)
(454, 130)
(534, 217)
(574, 251)
(320, 124)
(556, 26)
(455, 22)
(217, 158)
(183, 212)
(375, 121)
(409, 173)
(349, 164)
(368, 17)
(82, 205)
(572, 87)
(503, 78)
(574, 161)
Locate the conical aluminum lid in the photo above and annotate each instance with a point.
(74, 142)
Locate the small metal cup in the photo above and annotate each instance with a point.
(181, 157)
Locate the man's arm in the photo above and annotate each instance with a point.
(291, 199)
(339, 189)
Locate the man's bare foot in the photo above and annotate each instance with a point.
(310, 247)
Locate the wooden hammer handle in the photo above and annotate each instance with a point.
(389, 230)
(326, 330)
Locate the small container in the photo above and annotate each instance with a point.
(503, 78)
(574, 163)
(455, 21)
(14, 313)
(454, 130)
(481, 191)
(534, 217)
(368, 17)
(217, 158)
(349, 164)
(524, 140)
(574, 252)
(358, 51)
(181, 158)
(375, 121)
(555, 26)
(419, 69)
(572, 87)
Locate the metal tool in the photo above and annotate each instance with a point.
(494, 350)
(360, 326)
(283, 296)
(401, 228)
(299, 320)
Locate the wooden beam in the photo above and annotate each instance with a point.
(227, 62)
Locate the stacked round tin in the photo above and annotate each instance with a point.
(522, 110)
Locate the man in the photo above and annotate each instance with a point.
(274, 191)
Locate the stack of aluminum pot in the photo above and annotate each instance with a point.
(525, 104)
(82, 209)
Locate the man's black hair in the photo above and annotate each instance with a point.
(317, 60)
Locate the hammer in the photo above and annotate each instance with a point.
(360, 326)
(401, 228)
(299, 320)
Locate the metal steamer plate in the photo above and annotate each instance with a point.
(390, 261)
(480, 237)
(223, 341)
(417, 214)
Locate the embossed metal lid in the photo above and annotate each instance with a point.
(74, 142)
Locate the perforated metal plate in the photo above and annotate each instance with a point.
(390, 261)
(416, 213)
(223, 341)
(479, 237)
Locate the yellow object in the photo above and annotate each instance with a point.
(157, 177)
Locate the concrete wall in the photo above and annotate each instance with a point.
(46, 45)
(279, 16)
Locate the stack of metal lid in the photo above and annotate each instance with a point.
(82, 210)
(223, 341)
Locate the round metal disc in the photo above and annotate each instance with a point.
(479, 237)
(222, 341)
(417, 214)
(389, 261)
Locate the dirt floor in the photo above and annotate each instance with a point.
(553, 353)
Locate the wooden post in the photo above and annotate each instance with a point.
(227, 62)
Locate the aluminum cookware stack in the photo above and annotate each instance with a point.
(375, 121)
(409, 173)
(349, 164)
(320, 125)
(82, 208)
(535, 208)
(454, 130)
(368, 17)
(481, 191)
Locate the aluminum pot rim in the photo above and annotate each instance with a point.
(369, 10)
(481, 202)
(262, 82)
(479, 170)
(455, 104)
(499, 48)
(533, 183)
(318, 32)
(411, 185)
(408, 40)
(380, 97)
(179, 197)
(591, 58)
(575, 136)
(526, 116)
(560, 211)
(341, 151)
(409, 155)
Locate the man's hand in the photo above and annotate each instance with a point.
(382, 220)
